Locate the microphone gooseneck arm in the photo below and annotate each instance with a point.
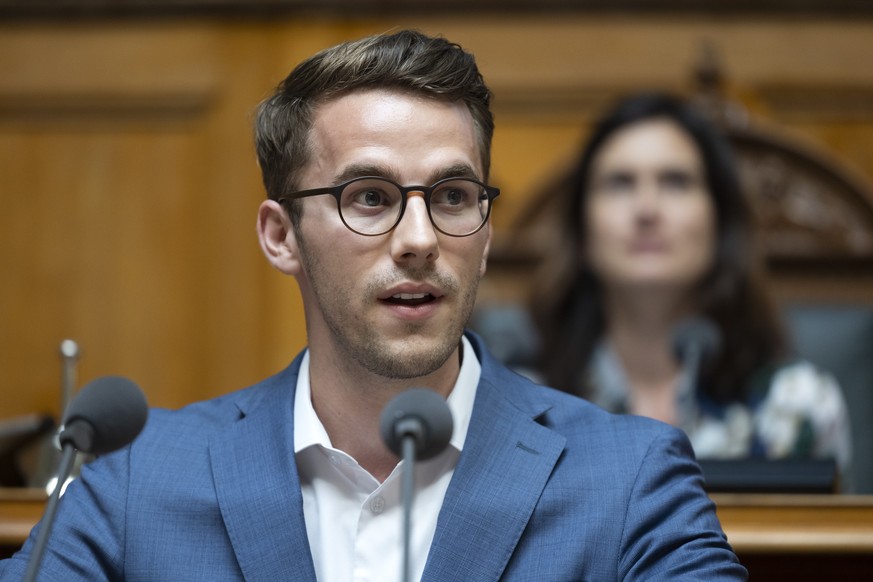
(696, 342)
(410, 432)
(68, 458)
(69, 357)
(407, 491)
(691, 363)
(416, 425)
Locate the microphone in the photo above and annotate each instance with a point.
(107, 414)
(420, 414)
(415, 424)
(696, 341)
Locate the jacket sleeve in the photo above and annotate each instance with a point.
(671, 531)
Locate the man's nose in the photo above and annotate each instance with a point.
(414, 239)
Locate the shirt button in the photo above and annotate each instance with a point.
(377, 504)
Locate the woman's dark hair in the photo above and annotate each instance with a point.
(568, 305)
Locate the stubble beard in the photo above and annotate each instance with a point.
(361, 342)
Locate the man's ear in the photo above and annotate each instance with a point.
(277, 237)
(484, 266)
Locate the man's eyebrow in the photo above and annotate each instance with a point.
(353, 171)
(454, 171)
(361, 170)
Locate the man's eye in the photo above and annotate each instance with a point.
(367, 198)
(455, 196)
(371, 198)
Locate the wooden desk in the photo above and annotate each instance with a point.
(797, 524)
(800, 537)
(20, 509)
(778, 537)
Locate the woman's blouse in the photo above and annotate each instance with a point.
(797, 411)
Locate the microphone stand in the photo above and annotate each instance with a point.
(68, 458)
(415, 423)
(691, 365)
(407, 491)
(410, 431)
(69, 357)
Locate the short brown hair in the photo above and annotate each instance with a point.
(406, 60)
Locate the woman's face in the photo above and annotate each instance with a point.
(650, 216)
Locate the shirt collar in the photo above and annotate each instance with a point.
(309, 431)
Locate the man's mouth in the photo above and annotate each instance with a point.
(410, 299)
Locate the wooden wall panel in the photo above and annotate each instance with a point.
(130, 190)
(128, 166)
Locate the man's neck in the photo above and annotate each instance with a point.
(349, 402)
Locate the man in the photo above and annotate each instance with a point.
(375, 156)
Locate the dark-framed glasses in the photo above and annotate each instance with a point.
(372, 205)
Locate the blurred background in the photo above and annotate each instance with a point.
(129, 187)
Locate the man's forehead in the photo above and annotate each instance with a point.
(391, 133)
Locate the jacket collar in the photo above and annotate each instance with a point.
(257, 484)
(507, 460)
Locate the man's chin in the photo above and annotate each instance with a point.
(409, 358)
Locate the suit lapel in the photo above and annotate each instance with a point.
(506, 462)
(258, 487)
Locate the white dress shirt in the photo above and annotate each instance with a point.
(353, 522)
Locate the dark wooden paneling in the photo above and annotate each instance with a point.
(236, 8)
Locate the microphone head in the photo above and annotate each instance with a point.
(424, 409)
(113, 407)
(698, 335)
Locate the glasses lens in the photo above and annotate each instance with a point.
(370, 205)
(459, 206)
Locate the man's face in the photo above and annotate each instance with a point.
(395, 303)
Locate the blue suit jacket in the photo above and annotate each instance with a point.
(547, 488)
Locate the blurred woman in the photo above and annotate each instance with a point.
(656, 231)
